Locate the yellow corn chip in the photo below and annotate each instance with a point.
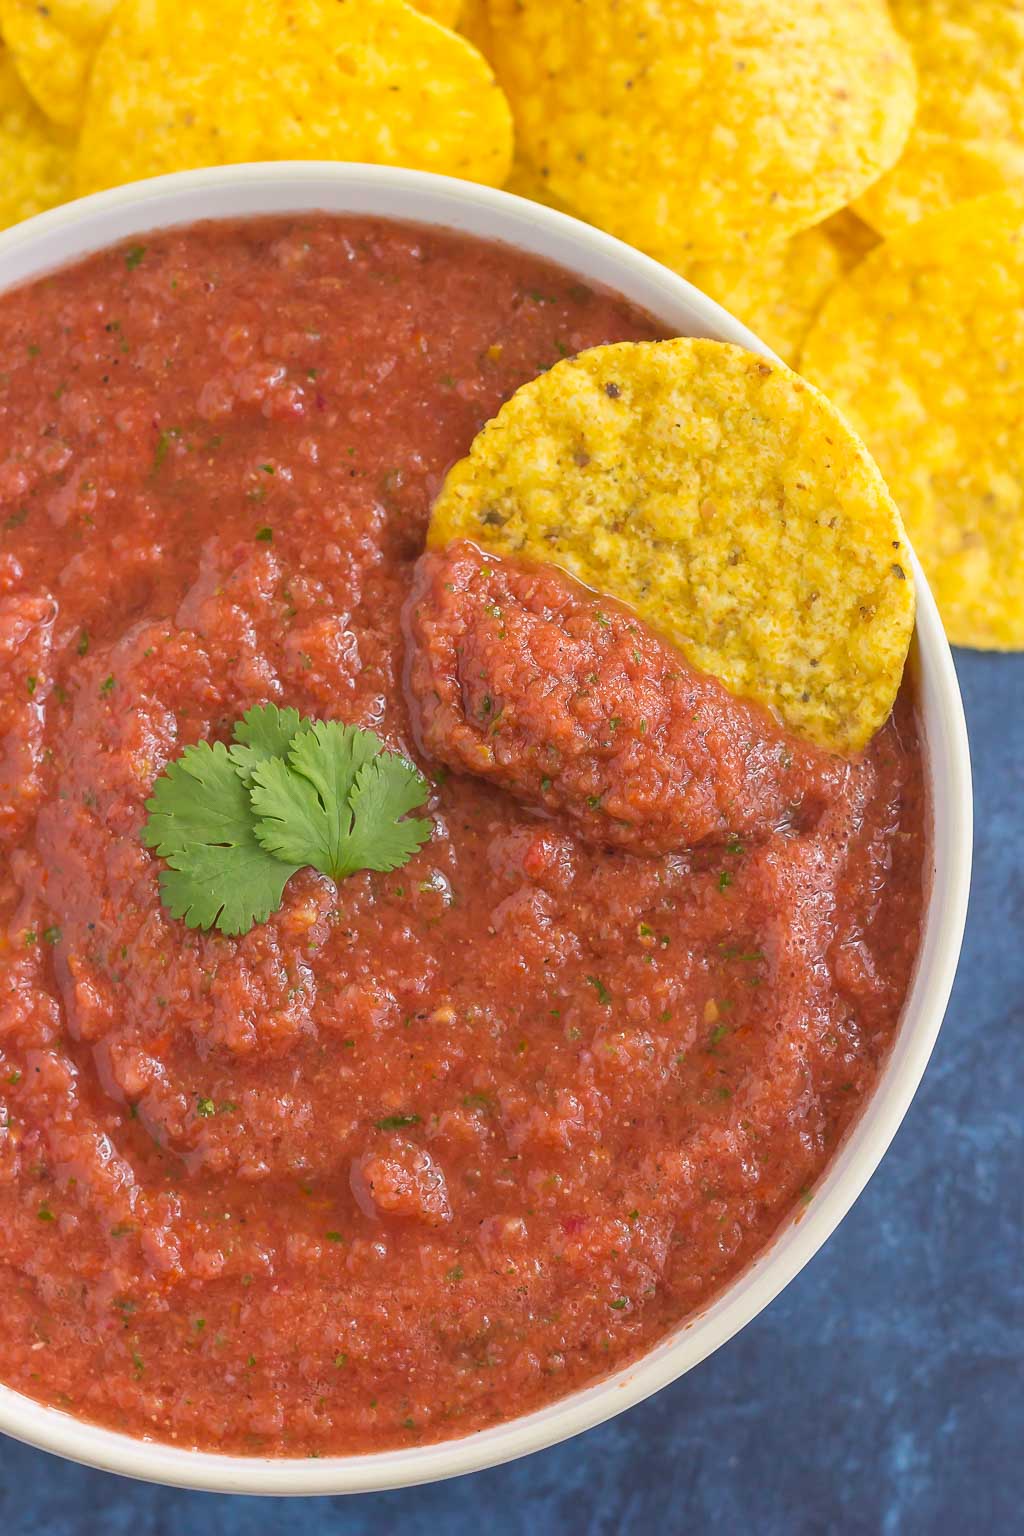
(475, 24)
(778, 292)
(524, 181)
(968, 138)
(851, 236)
(35, 156)
(923, 348)
(692, 128)
(372, 81)
(53, 45)
(726, 501)
(444, 11)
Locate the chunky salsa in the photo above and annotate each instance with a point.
(427, 1149)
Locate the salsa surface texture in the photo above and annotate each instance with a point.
(430, 1149)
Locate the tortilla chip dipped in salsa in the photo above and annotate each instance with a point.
(726, 501)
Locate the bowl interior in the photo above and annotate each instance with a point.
(67, 234)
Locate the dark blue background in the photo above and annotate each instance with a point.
(882, 1393)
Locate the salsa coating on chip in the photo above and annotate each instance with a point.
(520, 677)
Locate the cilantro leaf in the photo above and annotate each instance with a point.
(335, 803)
(384, 790)
(290, 820)
(200, 821)
(234, 824)
(264, 732)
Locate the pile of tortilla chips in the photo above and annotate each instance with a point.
(133, 88)
(922, 346)
(762, 148)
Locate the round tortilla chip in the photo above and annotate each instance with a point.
(778, 292)
(689, 128)
(726, 501)
(923, 348)
(53, 46)
(373, 81)
(968, 138)
(35, 156)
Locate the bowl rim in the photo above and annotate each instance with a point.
(67, 234)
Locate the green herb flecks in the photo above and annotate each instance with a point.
(163, 444)
(604, 997)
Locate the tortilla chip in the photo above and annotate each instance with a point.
(852, 237)
(475, 24)
(691, 129)
(374, 82)
(726, 501)
(923, 348)
(35, 156)
(524, 181)
(968, 138)
(444, 11)
(778, 292)
(53, 47)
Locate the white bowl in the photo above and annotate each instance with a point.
(64, 235)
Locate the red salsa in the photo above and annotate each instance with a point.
(427, 1149)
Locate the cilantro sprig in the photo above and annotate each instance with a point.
(235, 823)
(201, 821)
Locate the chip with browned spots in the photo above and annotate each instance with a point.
(722, 498)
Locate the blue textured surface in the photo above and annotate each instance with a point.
(882, 1393)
